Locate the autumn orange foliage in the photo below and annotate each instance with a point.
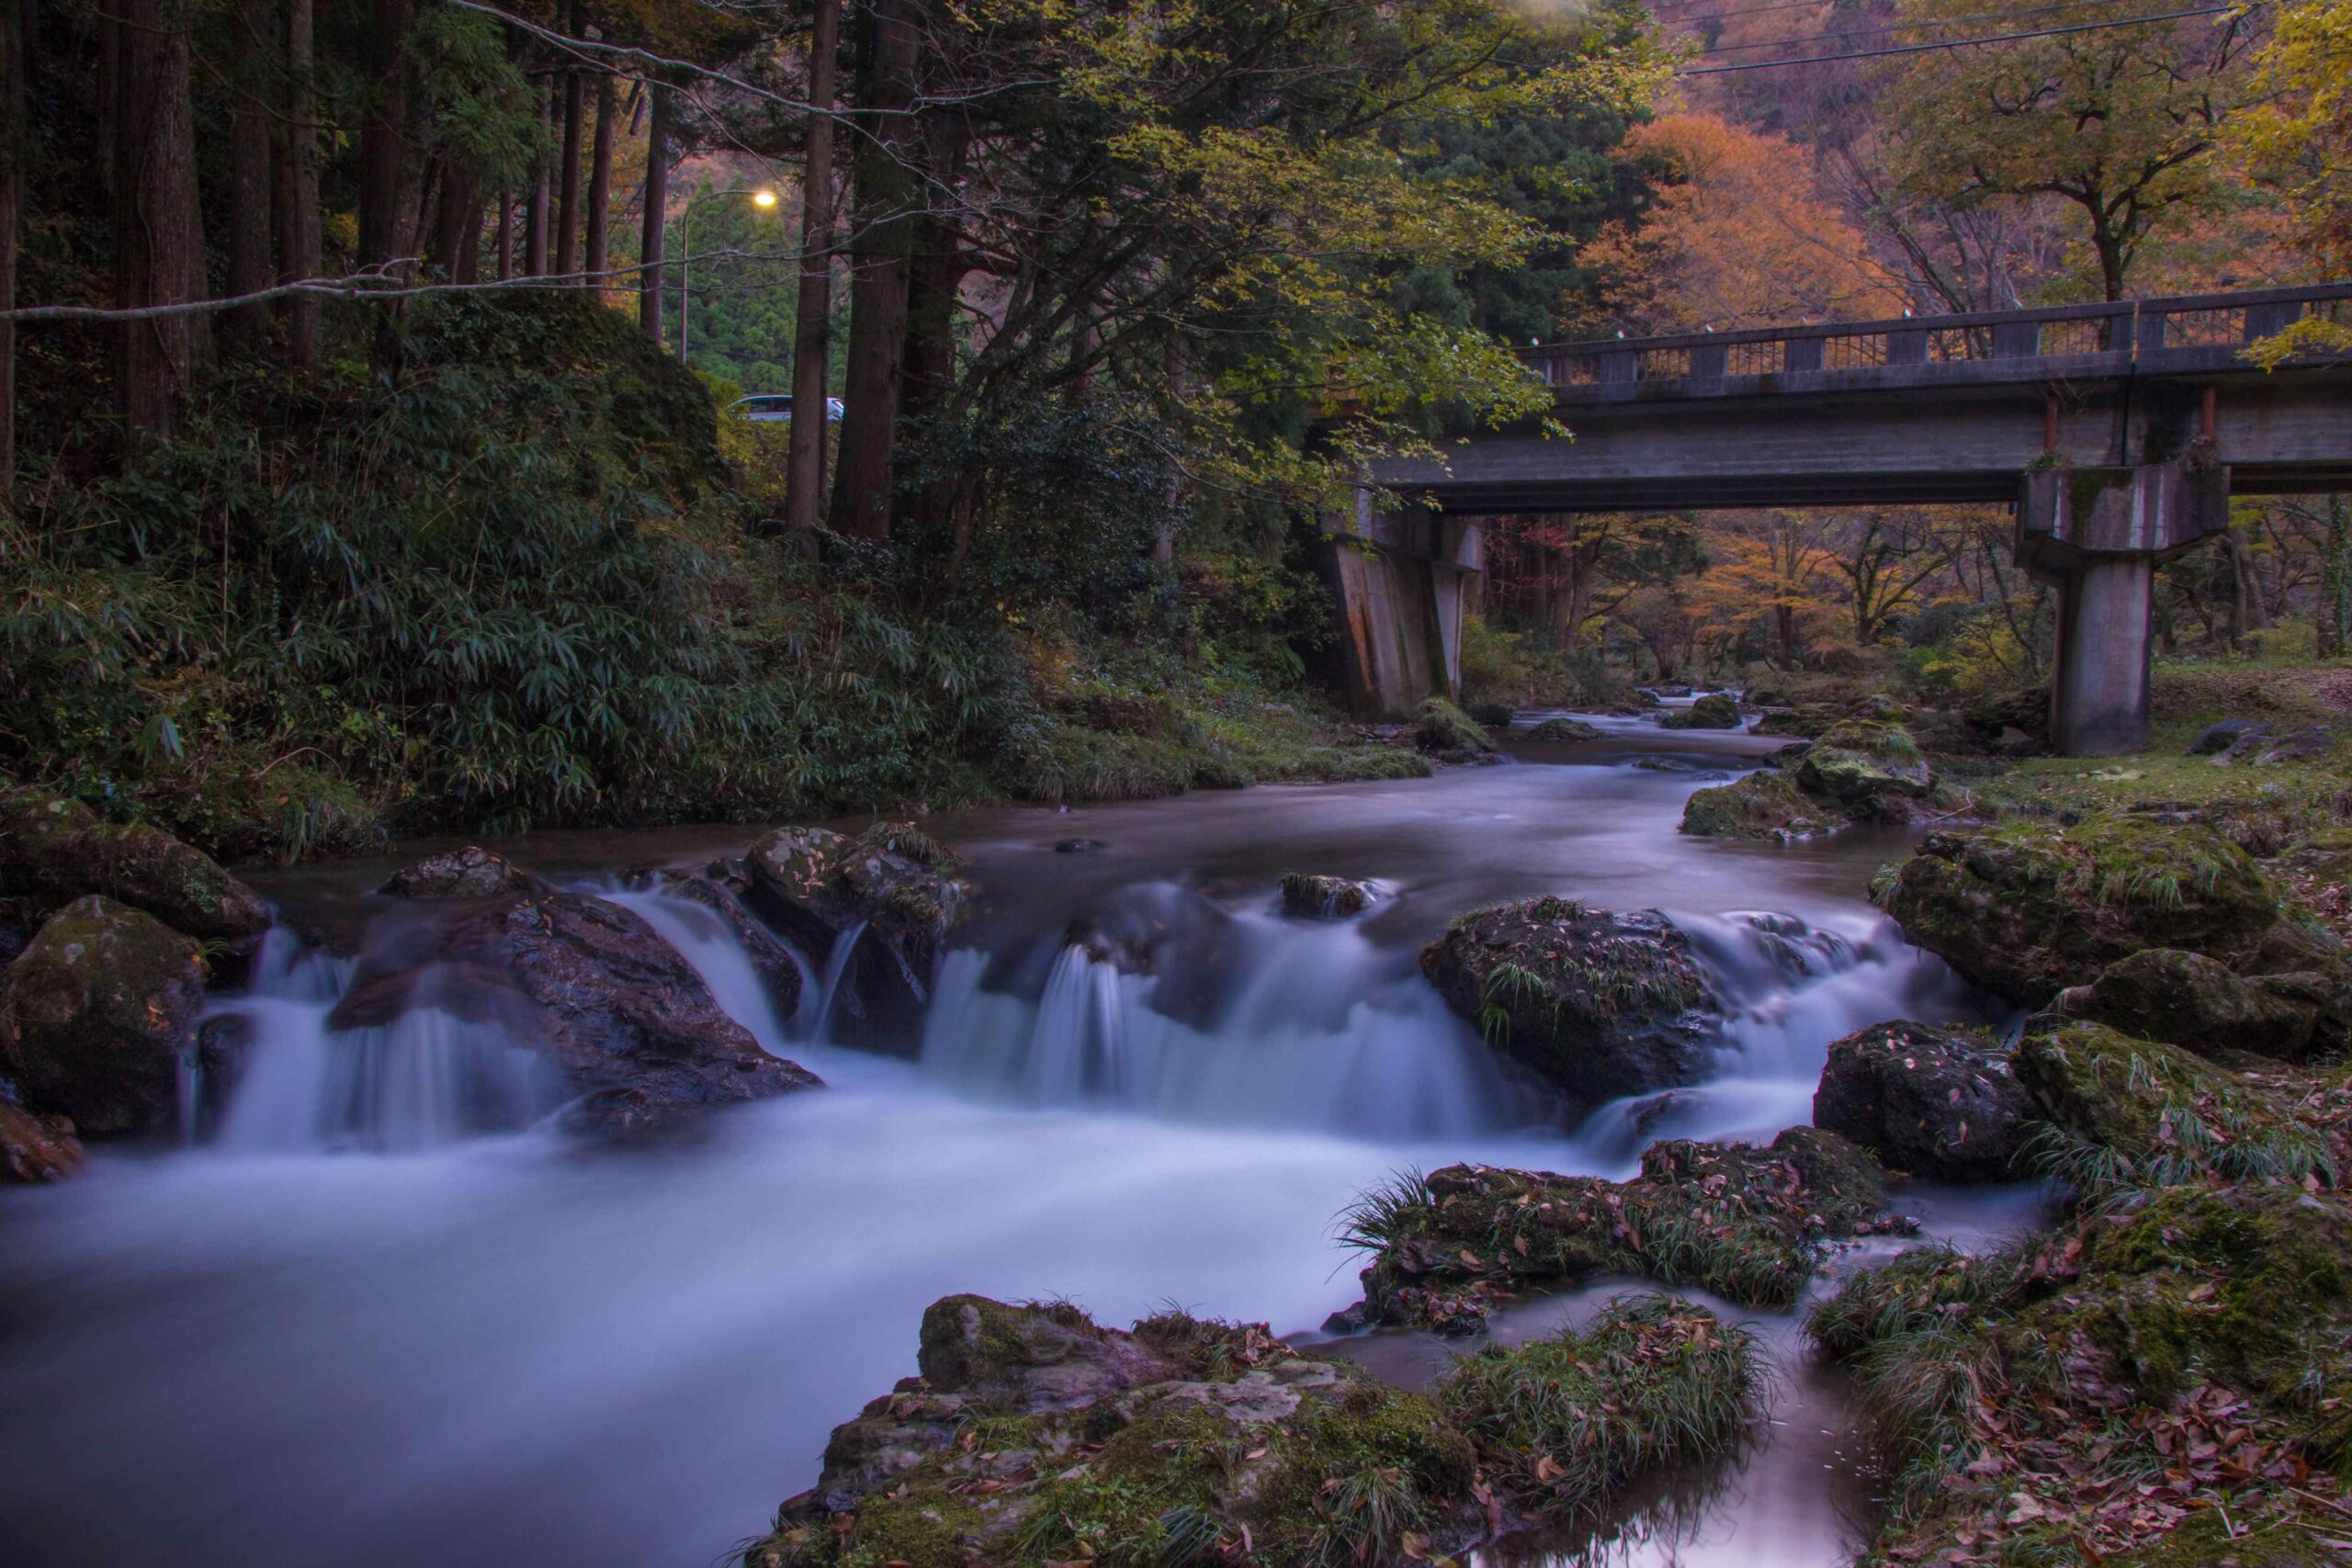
(1742, 237)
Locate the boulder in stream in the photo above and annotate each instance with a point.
(1326, 898)
(96, 1013)
(1448, 733)
(1561, 731)
(888, 890)
(1716, 710)
(1034, 1436)
(2028, 909)
(1930, 1101)
(471, 873)
(1600, 1004)
(1749, 1223)
(53, 851)
(1770, 804)
(590, 986)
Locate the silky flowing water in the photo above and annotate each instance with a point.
(370, 1315)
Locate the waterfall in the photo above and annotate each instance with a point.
(702, 938)
(428, 1077)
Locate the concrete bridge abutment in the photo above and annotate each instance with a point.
(1403, 582)
(2098, 534)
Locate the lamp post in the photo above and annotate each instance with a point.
(760, 197)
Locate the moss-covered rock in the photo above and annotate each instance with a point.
(1599, 1003)
(1444, 730)
(2096, 1394)
(2141, 1114)
(1768, 804)
(1561, 731)
(36, 1148)
(54, 850)
(95, 1014)
(1235, 1447)
(2202, 1005)
(1934, 1102)
(2030, 908)
(1716, 710)
(1867, 767)
(1745, 1222)
(1326, 898)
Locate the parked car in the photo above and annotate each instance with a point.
(769, 408)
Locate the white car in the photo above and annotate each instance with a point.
(771, 408)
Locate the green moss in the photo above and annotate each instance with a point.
(1560, 731)
(1441, 726)
(1768, 805)
(1676, 1383)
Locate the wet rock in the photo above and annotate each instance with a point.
(1806, 720)
(2220, 737)
(1871, 769)
(821, 887)
(95, 1013)
(1598, 1003)
(53, 851)
(1747, 1223)
(2028, 909)
(35, 1148)
(1446, 731)
(1079, 846)
(1560, 731)
(2203, 1006)
(469, 872)
(1328, 897)
(1716, 710)
(590, 986)
(2260, 747)
(1493, 716)
(1770, 804)
(779, 972)
(1933, 1102)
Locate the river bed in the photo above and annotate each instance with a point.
(302, 1340)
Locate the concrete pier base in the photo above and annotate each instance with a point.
(2099, 701)
(2098, 534)
(1402, 582)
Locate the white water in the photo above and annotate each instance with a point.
(356, 1330)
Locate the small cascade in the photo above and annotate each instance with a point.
(1311, 1028)
(702, 938)
(429, 1078)
(836, 967)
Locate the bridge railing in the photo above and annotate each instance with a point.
(2082, 336)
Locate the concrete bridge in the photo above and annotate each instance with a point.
(2116, 433)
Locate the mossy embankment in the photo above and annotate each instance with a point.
(499, 569)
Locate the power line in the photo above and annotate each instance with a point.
(1963, 43)
(1904, 26)
(1747, 11)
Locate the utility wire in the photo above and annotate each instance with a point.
(1963, 43)
(1902, 28)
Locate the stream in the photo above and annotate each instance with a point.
(369, 1315)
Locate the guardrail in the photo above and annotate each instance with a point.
(2085, 337)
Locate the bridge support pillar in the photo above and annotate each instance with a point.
(1402, 582)
(2098, 534)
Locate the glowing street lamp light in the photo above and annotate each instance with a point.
(762, 197)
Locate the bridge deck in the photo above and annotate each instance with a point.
(1944, 409)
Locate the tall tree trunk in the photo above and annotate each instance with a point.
(880, 256)
(535, 223)
(249, 205)
(457, 217)
(2335, 581)
(804, 480)
(505, 233)
(155, 213)
(567, 214)
(298, 243)
(15, 26)
(654, 224)
(383, 136)
(600, 186)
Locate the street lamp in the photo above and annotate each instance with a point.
(761, 197)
